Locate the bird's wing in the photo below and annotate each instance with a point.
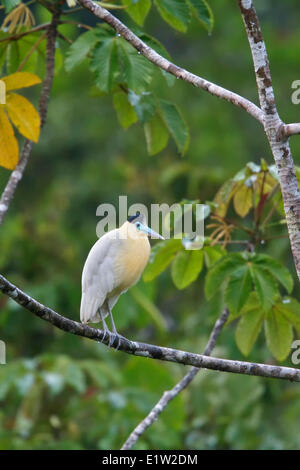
(98, 277)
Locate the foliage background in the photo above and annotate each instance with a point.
(58, 391)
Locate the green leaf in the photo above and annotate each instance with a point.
(137, 9)
(186, 267)
(212, 254)
(248, 329)
(156, 135)
(78, 51)
(203, 13)
(10, 4)
(265, 286)
(238, 289)
(125, 112)
(160, 49)
(144, 105)
(220, 271)
(162, 258)
(242, 200)
(280, 272)
(289, 308)
(279, 334)
(176, 124)
(224, 196)
(175, 12)
(105, 64)
(136, 70)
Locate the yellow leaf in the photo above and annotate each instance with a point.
(9, 149)
(24, 116)
(242, 200)
(19, 80)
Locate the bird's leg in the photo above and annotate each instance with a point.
(114, 329)
(105, 328)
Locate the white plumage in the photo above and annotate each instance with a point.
(115, 263)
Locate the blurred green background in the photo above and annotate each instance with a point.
(59, 391)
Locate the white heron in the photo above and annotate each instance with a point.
(115, 263)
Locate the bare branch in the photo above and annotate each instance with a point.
(290, 129)
(168, 66)
(18, 172)
(170, 394)
(142, 349)
(273, 127)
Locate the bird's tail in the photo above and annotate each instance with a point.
(89, 309)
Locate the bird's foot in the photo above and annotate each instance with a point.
(119, 338)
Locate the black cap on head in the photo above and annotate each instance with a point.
(134, 217)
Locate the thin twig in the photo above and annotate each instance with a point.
(16, 37)
(34, 48)
(18, 172)
(171, 394)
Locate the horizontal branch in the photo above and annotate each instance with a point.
(168, 66)
(142, 349)
(291, 129)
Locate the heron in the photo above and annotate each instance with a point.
(114, 264)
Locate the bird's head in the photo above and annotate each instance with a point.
(137, 225)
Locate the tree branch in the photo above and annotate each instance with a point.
(171, 394)
(18, 172)
(168, 66)
(290, 129)
(273, 127)
(142, 349)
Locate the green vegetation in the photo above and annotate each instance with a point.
(119, 126)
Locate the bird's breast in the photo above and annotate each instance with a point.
(131, 261)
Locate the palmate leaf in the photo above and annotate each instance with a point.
(242, 200)
(265, 286)
(279, 334)
(144, 105)
(19, 80)
(175, 12)
(186, 267)
(277, 270)
(176, 124)
(9, 149)
(24, 116)
(80, 48)
(160, 49)
(248, 329)
(136, 70)
(10, 4)
(156, 135)
(125, 112)
(238, 289)
(289, 308)
(212, 254)
(162, 258)
(137, 9)
(203, 13)
(220, 272)
(105, 64)
(224, 196)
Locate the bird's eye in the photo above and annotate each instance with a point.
(138, 225)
